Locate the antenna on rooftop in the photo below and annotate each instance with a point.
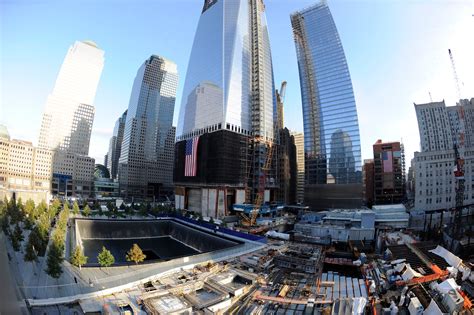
(431, 99)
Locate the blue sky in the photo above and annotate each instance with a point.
(397, 53)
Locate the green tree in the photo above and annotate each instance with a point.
(62, 219)
(30, 211)
(18, 233)
(75, 208)
(30, 253)
(12, 211)
(78, 259)
(122, 206)
(15, 242)
(56, 204)
(36, 241)
(43, 224)
(211, 220)
(105, 258)
(110, 206)
(58, 239)
(135, 254)
(54, 260)
(86, 211)
(143, 210)
(41, 208)
(20, 208)
(128, 210)
(5, 224)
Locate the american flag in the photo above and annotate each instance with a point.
(190, 165)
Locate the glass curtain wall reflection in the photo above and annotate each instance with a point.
(145, 164)
(331, 129)
(217, 91)
(228, 99)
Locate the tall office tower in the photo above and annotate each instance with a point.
(69, 114)
(440, 129)
(389, 177)
(333, 167)
(299, 143)
(286, 168)
(285, 159)
(146, 158)
(106, 160)
(115, 146)
(228, 110)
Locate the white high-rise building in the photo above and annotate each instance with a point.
(299, 143)
(69, 114)
(440, 128)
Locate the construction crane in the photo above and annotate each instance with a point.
(456, 79)
(260, 195)
(280, 97)
(261, 144)
(259, 198)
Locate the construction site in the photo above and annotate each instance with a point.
(400, 275)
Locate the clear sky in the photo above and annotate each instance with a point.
(397, 53)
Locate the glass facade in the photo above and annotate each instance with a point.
(69, 111)
(217, 92)
(144, 156)
(115, 146)
(331, 129)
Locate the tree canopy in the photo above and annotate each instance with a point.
(135, 254)
(105, 258)
(78, 259)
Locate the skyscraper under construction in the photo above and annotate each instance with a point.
(333, 169)
(226, 124)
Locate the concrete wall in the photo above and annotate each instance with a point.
(36, 196)
(336, 233)
(120, 229)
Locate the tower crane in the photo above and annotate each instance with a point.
(459, 178)
(456, 78)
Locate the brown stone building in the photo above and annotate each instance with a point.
(389, 172)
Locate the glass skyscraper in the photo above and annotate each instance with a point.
(228, 100)
(115, 146)
(218, 89)
(68, 117)
(146, 157)
(69, 112)
(333, 169)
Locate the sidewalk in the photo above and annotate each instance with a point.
(11, 301)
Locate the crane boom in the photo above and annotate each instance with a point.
(283, 91)
(459, 178)
(456, 78)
